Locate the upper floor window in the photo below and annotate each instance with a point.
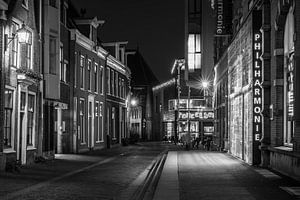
(62, 65)
(52, 55)
(116, 83)
(194, 52)
(53, 3)
(96, 78)
(112, 82)
(81, 78)
(89, 75)
(13, 56)
(108, 80)
(26, 53)
(63, 12)
(101, 74)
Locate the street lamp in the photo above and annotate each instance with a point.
(22, 34)
(134, 102)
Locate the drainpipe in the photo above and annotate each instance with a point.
(41, 84)
(105, 104)
(3, 7)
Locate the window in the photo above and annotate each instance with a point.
(101, 79)
(81, 120)
(289, 79)
(13, 46)
(96, 78)
(25, 53)
(116, 84)
(52, 3)
(112, 82)
(120, 87)
(89, 80)
(75, 70)
(82, 61)
(108, 80)
(62, 65)
(63, 12)
(8, 110)
(30, 119)
(52, 55)
(113, 121)
(97, 121)
(101, 121)
(194, 52)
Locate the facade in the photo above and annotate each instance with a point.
(263, 114)
(164, 121)
(118, 77)
(88, 88)
(21, 90)
(50, 48)
(143, 79)
(61, 91)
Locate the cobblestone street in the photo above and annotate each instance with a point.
(100, 175)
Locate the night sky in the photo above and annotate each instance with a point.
(155, 26)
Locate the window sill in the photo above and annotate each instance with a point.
(9, 151)
(31, 148)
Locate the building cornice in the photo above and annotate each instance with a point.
(82, 40)
(94, 22)
(118, 66)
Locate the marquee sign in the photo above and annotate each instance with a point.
(196, 115)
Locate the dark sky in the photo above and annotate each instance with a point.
(156, 26)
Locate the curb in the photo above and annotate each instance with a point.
(146, 190)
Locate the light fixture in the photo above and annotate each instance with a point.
(22, 34)
(133, 102)
(205, 84)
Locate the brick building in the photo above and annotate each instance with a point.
(260, 59)
(21, 91)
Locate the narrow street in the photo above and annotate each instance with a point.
(213, 175)
(101, 174)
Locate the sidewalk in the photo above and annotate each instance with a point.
(214, 175)
(40, 174)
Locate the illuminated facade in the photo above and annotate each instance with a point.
(21, 91)
(258, 71)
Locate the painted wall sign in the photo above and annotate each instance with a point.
(196, 115)
(224, 17)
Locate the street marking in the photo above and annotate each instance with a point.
(45, 183)
(268, 174)
(295, 191)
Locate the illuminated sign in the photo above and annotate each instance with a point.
(192, 115)
(257, 88)
(290, 86)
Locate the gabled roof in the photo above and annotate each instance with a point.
(141, 73)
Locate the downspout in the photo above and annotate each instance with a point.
(3, 7)
(105, 104)
(41, 70)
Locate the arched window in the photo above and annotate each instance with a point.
(289, 67)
